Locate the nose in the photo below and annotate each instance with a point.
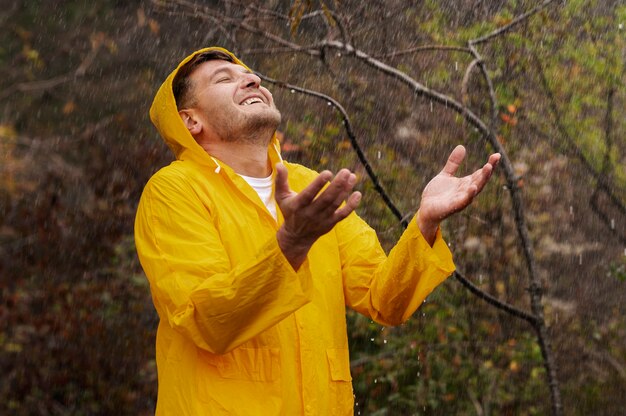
(251, 80)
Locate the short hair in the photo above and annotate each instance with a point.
(181, 86)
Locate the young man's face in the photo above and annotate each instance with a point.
(231, 103)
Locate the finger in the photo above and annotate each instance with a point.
(454, 160)
(494, 159)
(309, 193)
(344, 192)
(351, 203)
(336, 192)
(481, 176)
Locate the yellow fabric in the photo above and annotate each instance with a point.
(240, 332)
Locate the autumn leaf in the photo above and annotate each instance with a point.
(154, 26)
(69, 107)
(290, 147)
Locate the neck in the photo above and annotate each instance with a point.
(248, 159)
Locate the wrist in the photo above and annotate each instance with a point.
(428, 228)
(293, 248)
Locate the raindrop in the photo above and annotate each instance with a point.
(418, 373)
(431, 106)
(580, 259)
(456, 65)
(375, 380)
(293, 91)
(378, 155)
(372, 339)
(384, 341)
(571, 210)
(620, 26)
(612, 223)
(329, 103)
(480, 279)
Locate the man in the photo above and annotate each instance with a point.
(252, 260)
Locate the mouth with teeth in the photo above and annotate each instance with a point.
(252, 100)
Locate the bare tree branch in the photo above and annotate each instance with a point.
(511, 24)
(47, 84)
(512, 310)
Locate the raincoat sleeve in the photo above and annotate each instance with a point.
(194, 287)
(389, 289)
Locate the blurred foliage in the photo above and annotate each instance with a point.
(76, 147)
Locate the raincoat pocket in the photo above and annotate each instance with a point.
(341, 399)
(253, 373)
(254, 364)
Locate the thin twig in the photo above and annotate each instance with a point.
(570, 144)
(464, 83)
(492, 94)
(511, 24)
(424, 48)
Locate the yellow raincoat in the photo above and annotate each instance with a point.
(241, 332)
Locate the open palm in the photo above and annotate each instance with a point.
(446, 194)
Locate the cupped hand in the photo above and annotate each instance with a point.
(446, 194)
(310, 214)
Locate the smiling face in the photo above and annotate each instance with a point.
(228, 104)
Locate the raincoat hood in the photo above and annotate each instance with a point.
(164, 115)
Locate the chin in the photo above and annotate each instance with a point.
(268, 119)
(260, 126)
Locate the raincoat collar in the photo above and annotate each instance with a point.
(164, 115)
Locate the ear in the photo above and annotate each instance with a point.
(192, 121)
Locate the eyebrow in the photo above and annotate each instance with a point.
(229, 70)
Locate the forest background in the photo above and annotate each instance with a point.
(545, 242)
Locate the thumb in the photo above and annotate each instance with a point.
(454, 160)
(282, 190)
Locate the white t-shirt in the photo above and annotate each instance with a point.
(263, 187)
